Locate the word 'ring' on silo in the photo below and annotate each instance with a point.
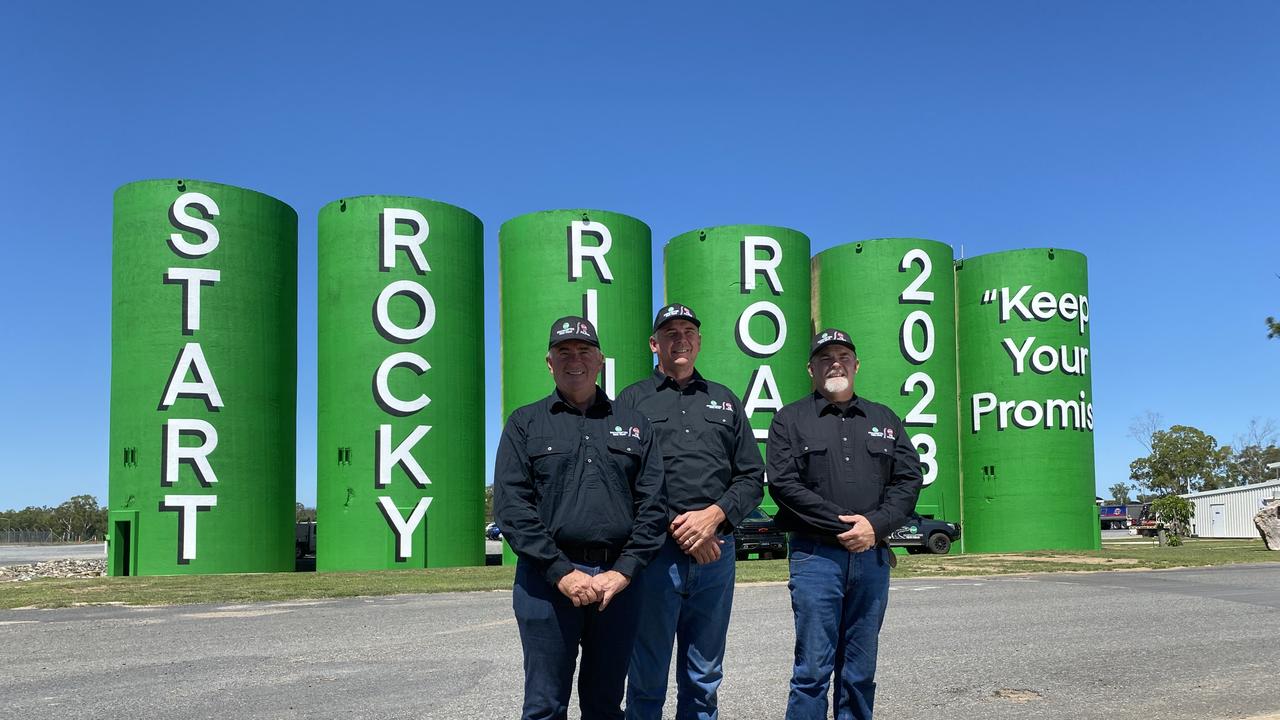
(400, 437)
(749, 285)
(896, 299)
(591, 263)
(203, 380)
(1026, 408)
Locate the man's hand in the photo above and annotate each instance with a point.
(579, 587)
(859, 537)
(706, 551)
(607, 584)
(696, 526)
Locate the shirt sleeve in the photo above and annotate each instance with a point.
(902, 488)
(515, 506)
(746, 479)
(787, 488)
(649, 494)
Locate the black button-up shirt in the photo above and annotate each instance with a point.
(825, 462)
(709, 452)
(567, 479)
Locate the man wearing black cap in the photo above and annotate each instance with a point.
(713, 477)
(578, 493)
(844, 475)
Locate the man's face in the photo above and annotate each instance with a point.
(676, 343)
(574, 365)
(833, 368)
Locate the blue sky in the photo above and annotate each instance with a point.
(1142, 134)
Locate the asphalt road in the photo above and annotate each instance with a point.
(1172, 644)
(18, 554)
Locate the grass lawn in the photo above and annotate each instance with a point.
(177, 590)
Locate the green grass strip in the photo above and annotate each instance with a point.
(272, 587)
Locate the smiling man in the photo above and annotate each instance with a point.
(578, 493)
(713, 476)
(844, 475)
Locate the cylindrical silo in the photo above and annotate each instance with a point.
(896, 299)
(592, 263)
(1026, 405)
(401, 367)
(203, 380)
(749, 285)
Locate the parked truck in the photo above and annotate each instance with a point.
(1148, 523)
(1115, 517)
(304, 534)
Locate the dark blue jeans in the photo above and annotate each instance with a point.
(689, 604)
(839, 599)
(552, 629)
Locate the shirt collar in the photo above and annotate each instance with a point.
(822, 406)
(661, 380)
(600, 406)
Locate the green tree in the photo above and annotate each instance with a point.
(79, 518)
(302, 513)
(1120, 493)
(1176, 512)
(1256, 449)
(1183, 459)
(488, 503)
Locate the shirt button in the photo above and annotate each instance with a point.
(686, 429)
(589, 459)
(684, 412)
(845, 439)
(846, 459)
(548, 448)
(586, 437)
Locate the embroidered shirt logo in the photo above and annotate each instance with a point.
(876, 432)
(714, 405)
(619, 431)
(888, 433)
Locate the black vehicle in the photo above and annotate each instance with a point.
(925, 535)
(757, 533)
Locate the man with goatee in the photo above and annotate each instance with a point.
(844, 475)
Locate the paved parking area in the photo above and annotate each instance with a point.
(16, 554)
(1187, 644)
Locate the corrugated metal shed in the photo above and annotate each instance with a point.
(1228, 513)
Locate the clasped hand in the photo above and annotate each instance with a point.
(859, 537)
(584, 589)
(695, 533)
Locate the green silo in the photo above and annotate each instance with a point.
(896, 298)
(203, 380)
(749, 285)
(401, 365)
(592, 263)
(1026, 404)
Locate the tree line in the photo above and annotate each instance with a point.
(1182, 459)
(79, 519)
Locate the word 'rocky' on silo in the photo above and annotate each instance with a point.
(203, 380)
(749, 285)
(401, 366)
(1026, 408)
(896, 298)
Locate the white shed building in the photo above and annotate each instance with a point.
(1228, 513)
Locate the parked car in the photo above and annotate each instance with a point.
(925, 535)
(757, 533)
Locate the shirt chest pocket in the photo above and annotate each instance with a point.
(812, 462)
(624, 456)
(718, 428)
(881, 452)
(548, 459)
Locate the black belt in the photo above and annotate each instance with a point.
(830, 541)
(591, 555)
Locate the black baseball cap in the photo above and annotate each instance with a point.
(674, 311)
(830, 336)
(572, 327)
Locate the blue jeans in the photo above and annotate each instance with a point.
(839, 599)
(687, 603)
(551, 629)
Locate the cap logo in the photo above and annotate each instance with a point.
(824, 337)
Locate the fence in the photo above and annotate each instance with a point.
(27, 537)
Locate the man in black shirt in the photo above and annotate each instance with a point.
(713, 477)
(844, 475)
(578, 493)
